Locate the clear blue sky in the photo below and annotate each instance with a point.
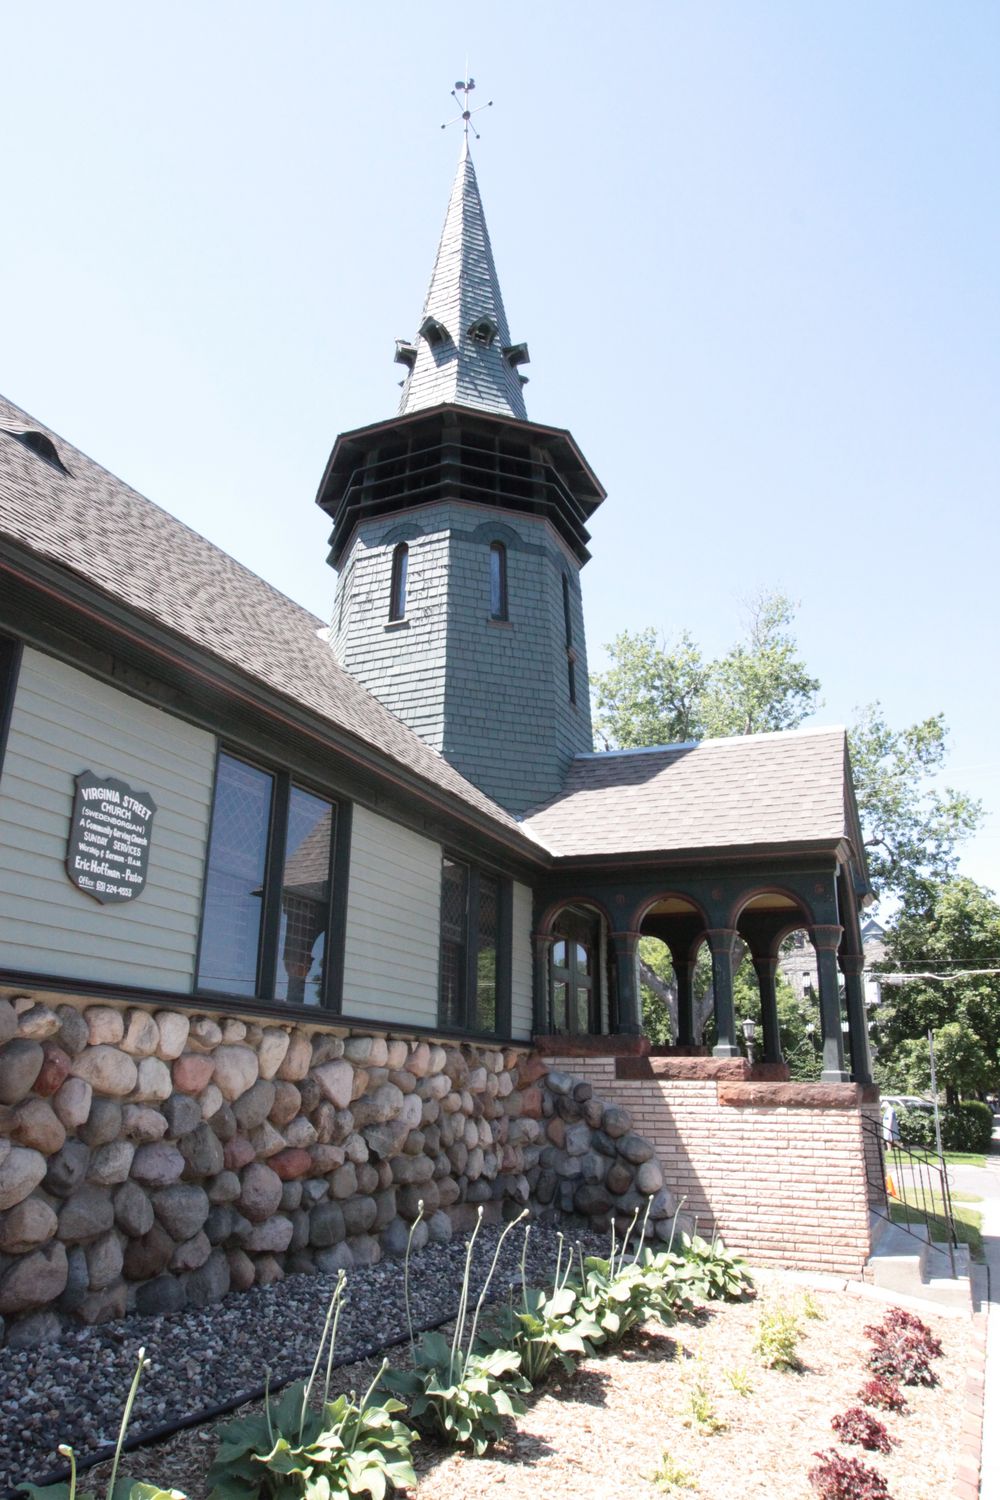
(753, 248)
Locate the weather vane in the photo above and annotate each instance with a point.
(465, 86)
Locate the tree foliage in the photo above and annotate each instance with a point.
(656, 693)
(956, 930)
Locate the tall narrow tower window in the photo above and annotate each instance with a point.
(498, 581)
(568, 632)
(397, 590)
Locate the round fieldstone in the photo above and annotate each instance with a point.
(287, 1104)
(271, 1052)
(35, 1123)
(66, 1169)
(266, 1141)
(273, 1236)
(577, 1139)
(55, 1069)
(149, 1254)
(74, 1033)
(204, 1034)
(30, 1223)
(72, 1103)
(326, 1225)
(164, 1294)
(20, 1064)
(192, 1253)
(112, 1163)
(34, 1330)
(336, 1081)
(105, 1025)
(409, 1169)
(299, 1132)
(86, 1213)
(157, 1163)
(235, 1070)
(439, 1228)
(141, 1122)
(619, 1177)
(192, 1072)
(253, 1107)
(344, 1182)
(223, 1122)
(291, 1164)
(225, 1188)
(616, 1121)
(181, 1113)
(297, 1059)
(649, 1177)
(107, 1069)
(104, 1261)
(241, 1270)
(104, 1120)
(210, 1282)
(154, 1081)
(34, 1280)
(38, 1022)
(173, 1031)
(210, 1101)
(202, 1152)
(8, 1022)
(260, 1192)
(133, 1210)
(238, 1153)
(359, 1215)
(182, 1209)
(635, 1148)
(77, 1279)
(142, 1035)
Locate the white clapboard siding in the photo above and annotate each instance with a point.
(393, 917)
(521, 1008)
(65, 722)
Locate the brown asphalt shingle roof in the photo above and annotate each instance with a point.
(762, 789)
(95, 525)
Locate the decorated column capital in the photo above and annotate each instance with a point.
(721, 939)
(826, 938)
(852, 963)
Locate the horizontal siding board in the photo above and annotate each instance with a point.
(63, 722)
(521, 969)
(391, 956)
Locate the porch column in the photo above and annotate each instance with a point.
(852, 965)
(626, 946)
(684, 975)
(826, 941)
(766, 969)
(722, 942)
(542, 1018)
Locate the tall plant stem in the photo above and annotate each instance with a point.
(338, 1296)
(463, 1301)
(126, 1414)
(486, 1284)
(364, 1403)
(319, 1352)
(67, 1452)
(406, 1271)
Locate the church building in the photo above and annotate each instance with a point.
(318, 920)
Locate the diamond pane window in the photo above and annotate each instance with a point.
(305, 899)
(475, 949)
(234, 888)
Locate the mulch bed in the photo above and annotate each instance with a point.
(602, 1434)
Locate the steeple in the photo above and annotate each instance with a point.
(462, 354)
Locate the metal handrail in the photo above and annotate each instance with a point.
(915, 1173)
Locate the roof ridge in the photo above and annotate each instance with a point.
(718, 739)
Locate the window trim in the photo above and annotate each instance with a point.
(11, 652)
(501, 614)
(504, 950)
(331, 987)
(398, 582)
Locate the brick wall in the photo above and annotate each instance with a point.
(785, 1181)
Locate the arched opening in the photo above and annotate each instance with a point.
(776, 984)
(675, 972)
(397, 586)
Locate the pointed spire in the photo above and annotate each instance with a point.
(462, 352)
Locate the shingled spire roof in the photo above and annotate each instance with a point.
(462, 353)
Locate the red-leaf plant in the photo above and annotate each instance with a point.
(902, 1348)
(859, 1426)
(836, 1477)
(883, 1394)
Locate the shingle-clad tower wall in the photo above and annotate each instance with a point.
(482, 653)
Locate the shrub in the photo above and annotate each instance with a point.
(778, 1333)
(916, 1128)
(455, 1391)
(547, 1326)
(883, 1394)
(859, 1426)
(967, 1126)
(902, 1348)
(117, 1489)
(618, 1294)
(837, 1477)
(898, 1318)
(670, 1476)
(291, 1449)
(716, 1273)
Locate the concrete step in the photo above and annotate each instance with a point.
(905, 1262)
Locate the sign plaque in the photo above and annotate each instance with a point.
(108, 853)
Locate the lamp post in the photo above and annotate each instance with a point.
(749, 1036)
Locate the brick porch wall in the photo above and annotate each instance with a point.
(784, 1178)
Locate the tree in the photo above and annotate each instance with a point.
(955, 932)
(653, 694)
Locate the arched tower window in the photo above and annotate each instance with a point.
(397, 588)
(498, 581)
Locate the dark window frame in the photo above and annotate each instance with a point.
(499, 599)
(331, 986)
(576, 927)
(10, 667)
(466, 1023)
(399, 581)
(568, 634)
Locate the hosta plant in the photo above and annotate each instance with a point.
(294, 1450)
(837, 1477)
(544, 1326)
(116, 1489)
(455, 1390)
(717, 1273)
(859, 1427)
(619, 1293)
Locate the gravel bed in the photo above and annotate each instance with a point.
(74, 1391)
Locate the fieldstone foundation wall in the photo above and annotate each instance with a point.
(780, 1167)
(151, 1160)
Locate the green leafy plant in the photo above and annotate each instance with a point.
(293, 1449)
(716, 1273)
(117, 1489)
(811, 1309)
(455, 1390)
(778, 1334)
(619, 1293)
(739, 1378)
(670, 1477)
(701, 1408)
(547, 1325)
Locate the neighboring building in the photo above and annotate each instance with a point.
(300, 894)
